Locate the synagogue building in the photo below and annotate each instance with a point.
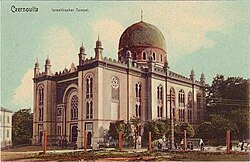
(97, 91)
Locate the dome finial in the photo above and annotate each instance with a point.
(141, 15)
(82, 49)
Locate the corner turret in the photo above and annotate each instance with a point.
(192, 75)
(81, 55)
(202, 79)
(47, 66)
(36, 69)
(98, 49)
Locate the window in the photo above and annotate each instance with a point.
(181, 115)
(89, 110)
(190, 101)
(199, 103)
(115, 88)
(138, 110)
(154, 55)
(89, 87)
(190, 106)
(161, 58)
(138, 90)
(8, 133)
(159, 112)
(144, 55)
(160, 92)
(8, 119)
(189, 116)
(181, 98)
(40, 103)
(74, 107)
(181, 105)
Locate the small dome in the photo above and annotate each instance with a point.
(98, 43)
(202, 75)
(192, 72)
(47, 61)
(142, 34)
(82, 49)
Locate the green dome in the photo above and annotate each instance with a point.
(142, 34)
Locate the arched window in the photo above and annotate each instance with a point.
(89, 110)
(190, 107)
(190, 100)
(161, 58)
(89, 87)
(40, 103)
(115, 88)
(199, 103)
(74, 107)
(181, 105)
(160, 92)
(154, 55)
(181, 98)
(138, 90)
(144, 55)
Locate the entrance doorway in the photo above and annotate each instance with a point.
(89, 136)
(40, 137)
(89, 130)
(74, 134)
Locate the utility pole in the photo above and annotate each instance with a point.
(171, 98)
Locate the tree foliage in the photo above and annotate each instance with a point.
(179, 131)
(227, 108)
(158, 129)
(119, 126)
(235, 88)
(22, 127)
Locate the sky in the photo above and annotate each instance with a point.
(210, 37)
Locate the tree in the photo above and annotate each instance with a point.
(227, 108)
(158, 129)
(206, 131)
(241, 118)
(136, 126)
(22, 122)
(119, 126)
(179, 131)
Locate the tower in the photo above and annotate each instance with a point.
(202, 79)
(192, 75)
(98, 49)
(36, 69)
(47, 66)
(81, 55)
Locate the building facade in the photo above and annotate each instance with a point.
(6, 127)
(99, 90)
